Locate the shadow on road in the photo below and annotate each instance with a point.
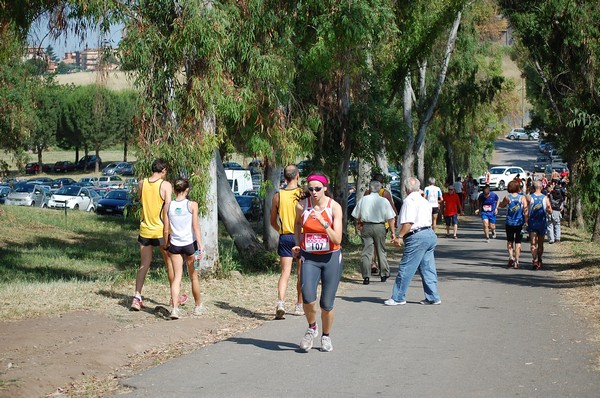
(265, 344)
(244, 312)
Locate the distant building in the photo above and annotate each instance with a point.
(90, 59)
(73, 58)
(40, 53)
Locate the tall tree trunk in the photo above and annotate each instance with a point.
(343, 167)
(209, 220)
(364, 177)
(97, 164)
(235, 222)
(419, 148)
(86, 152)
(76, 154)
(40, 160)
(125, 151)
(272, 178)
(449, 162)
(596, 233)
(382, 161)
(408, 161)
(580, 221)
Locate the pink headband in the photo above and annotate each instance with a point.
(316, 177)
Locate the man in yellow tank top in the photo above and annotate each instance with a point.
(154, 194)
(283, 217)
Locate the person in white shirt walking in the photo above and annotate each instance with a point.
(372, 212)
(185, 241)
(419, 247)
(433, 194)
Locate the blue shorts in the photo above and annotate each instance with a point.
(286, 243)
(451, 220)
(489, 216)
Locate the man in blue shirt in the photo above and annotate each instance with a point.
(488, 207)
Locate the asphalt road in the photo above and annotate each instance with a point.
(498, 333)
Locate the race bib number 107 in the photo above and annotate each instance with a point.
(316, 242)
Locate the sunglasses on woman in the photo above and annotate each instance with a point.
(315, 189)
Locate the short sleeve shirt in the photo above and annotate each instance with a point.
(415, 210)
(451, 204)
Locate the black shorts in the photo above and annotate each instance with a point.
(513, 233)
(435, 210)
(151, 241)
(187, 250)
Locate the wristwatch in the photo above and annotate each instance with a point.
(326, 225)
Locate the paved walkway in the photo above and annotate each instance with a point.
(498, 333)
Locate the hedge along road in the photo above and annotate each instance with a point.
(498, 333)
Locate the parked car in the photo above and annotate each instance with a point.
(88, 180)
(61, 182)
(540, 163)
(250, 204)
(110, 182)
(115, 202)
(232, 166)
(533, 134)
(64, 167)
(558, 167)
(101, 191)
(4, 191)
(256, 181)
(517, 134)
(127, 170)
(114, 168)
(74, 197)
(90, 161)
(40, 181)
(34, 168)
(29, 195)
(500, 176)
(131, 184)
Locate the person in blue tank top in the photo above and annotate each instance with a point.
(539, 207)
(516, 214)
(488, 207)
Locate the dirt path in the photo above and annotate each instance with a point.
(41, 355)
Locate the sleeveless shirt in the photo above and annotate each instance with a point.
(514, 214)
(151, 226)
(314, 231)
(180, 218)
(288, 198)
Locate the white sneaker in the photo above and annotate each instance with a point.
(299, 310)
(393, 302)
(280, 309)
(429, 302)
(487, 240)
(326, 345)
(175, 313)
(494, 234)
(307, 341)
(200, 309)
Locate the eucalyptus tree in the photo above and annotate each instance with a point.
(560, 55)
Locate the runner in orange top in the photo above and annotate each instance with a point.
(318, 234)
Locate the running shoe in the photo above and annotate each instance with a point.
(487, 240)
(392, 302)
(299, 310)
(280, 309)
(516, 265)
(137, 304)
(494, 234)
(326, 345)
(429, 302)
(175, 313)
(200, 310)
(455, 237)
(511, 262)
(307, 341)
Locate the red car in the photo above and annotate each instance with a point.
(64, 167)
(34, 168)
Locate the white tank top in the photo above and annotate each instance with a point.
(180, 218)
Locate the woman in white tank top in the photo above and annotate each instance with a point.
(185, 239)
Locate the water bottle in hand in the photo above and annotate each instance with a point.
(197, 260)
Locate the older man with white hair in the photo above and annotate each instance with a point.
(419, 246)
(372, 212)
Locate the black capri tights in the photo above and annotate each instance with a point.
(324, 267)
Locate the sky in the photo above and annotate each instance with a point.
(38, 37)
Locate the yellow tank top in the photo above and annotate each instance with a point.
(151, 226)
(287, 209)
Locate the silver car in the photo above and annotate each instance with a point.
(74, 197)
(29, 195)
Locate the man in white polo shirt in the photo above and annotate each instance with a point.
(419, 247)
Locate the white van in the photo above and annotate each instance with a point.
(239, 180)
